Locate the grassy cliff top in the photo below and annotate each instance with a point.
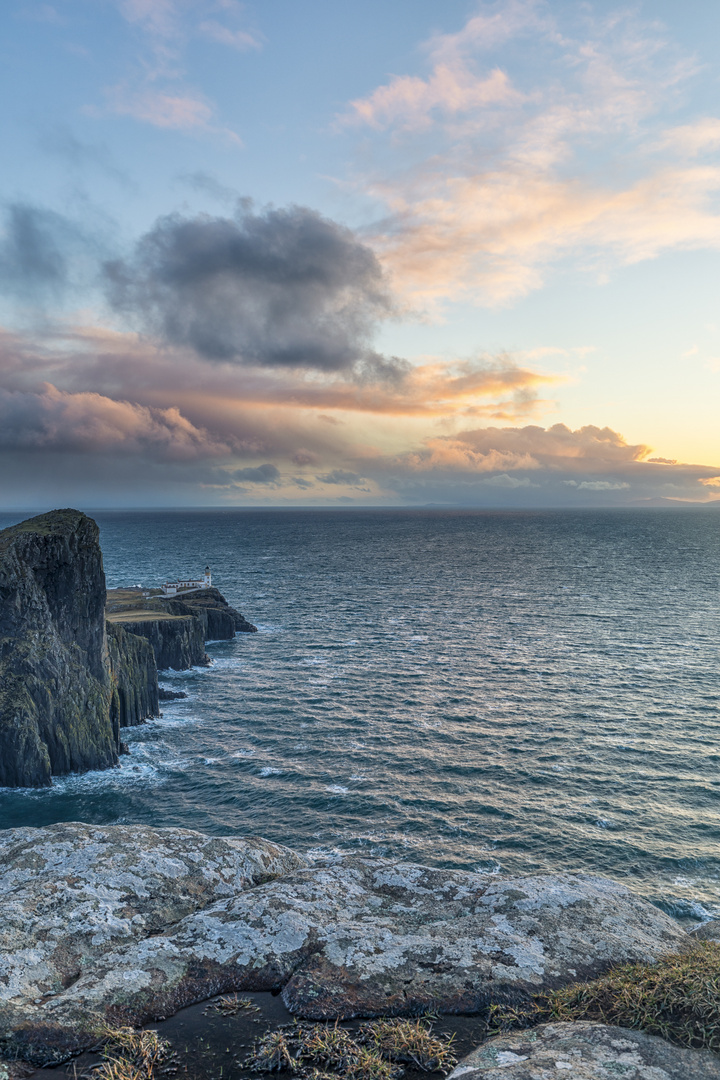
(135, 605)
(134, 615)
(56, 522)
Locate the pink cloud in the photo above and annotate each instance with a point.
(52, 420)
(506, 183)
(409, 101)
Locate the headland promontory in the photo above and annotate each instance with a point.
(78, 664)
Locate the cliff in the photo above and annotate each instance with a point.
(55, 684)
(177, 641)
(177, 627)
(134, 672)
(220, 621)
(68, 681)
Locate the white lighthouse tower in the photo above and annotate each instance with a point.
(207, 578)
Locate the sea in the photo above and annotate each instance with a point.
(508, 692)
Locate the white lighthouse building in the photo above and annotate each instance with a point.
(172, 588)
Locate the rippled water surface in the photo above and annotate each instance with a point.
(468, 689)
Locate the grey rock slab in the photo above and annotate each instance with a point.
(360, 938)
(707, 931)
(70, 893)
(584, 1051)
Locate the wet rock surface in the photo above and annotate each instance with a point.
(55, 683)
(170, 695)
(584, 1051)
(173, 924)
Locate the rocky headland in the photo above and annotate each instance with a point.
(176, 627)
(77, 664)
(56, 687)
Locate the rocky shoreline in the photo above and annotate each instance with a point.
(78, 664)
(127, 925)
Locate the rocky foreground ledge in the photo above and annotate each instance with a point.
(128, 924)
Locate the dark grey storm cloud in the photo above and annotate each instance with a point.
(284, 287)
(259, 474)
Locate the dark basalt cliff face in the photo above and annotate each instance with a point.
(68, 680)
(55, 683)
(177, 627)
(177, 641)
(220, 621)
(134, 671)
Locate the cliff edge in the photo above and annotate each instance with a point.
(176, 627)
(55, 683)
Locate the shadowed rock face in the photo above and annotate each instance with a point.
(177, 641)
(220, 621)
(55, 686)
(355, 938)
(134, 672)
(584, 1051)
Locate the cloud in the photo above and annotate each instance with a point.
(537, 466)
(242, 40)
(598, 485)
(209, 185)
(340, 476)
(691, 140)
(181, 112)
(154, 91)
(88, 396)
(40, 252)
(409, 101)
(282, 288)
(55, 421)
(260, 474)
(501, 181)
(62, 143)
(31, 255)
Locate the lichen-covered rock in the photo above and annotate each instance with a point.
(134, 675)
(55, 687)
(72, 893)
(584, 1051)
(356, 938)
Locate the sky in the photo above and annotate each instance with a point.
(361, 254)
